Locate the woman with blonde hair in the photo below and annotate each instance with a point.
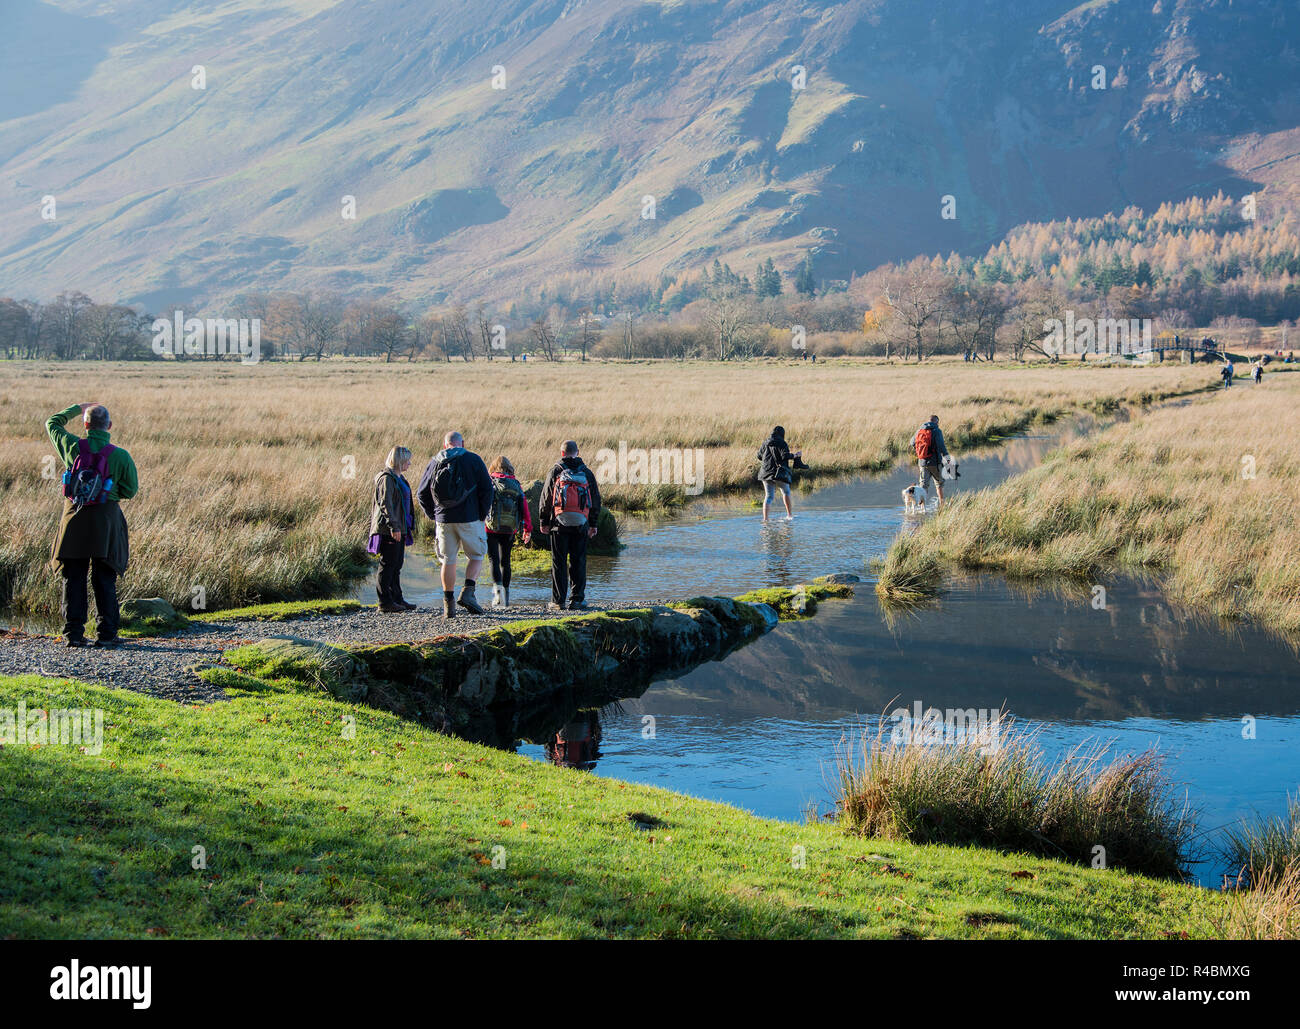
(508, 515)
(392, 528)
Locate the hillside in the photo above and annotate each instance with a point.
(171, 194)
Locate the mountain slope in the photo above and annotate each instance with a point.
(167, 193)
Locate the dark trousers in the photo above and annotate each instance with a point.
(569, 564)
(391, 555)
(499, 546)
(76, 604)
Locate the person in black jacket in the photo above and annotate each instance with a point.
(459, 519)
(774, 470)
(567, 513)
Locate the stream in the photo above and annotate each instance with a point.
(761, 729)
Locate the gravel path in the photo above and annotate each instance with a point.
(165, 666)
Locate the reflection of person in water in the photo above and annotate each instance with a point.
(778, 550)
(577, 744)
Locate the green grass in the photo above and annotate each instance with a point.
(281, 611)
(310, 833)
(138, 628)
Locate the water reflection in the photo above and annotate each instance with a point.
(576, 743)
(761, 729)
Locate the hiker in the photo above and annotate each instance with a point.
(92, 538)
(567, 511)
(392, 528)
(930, 451)
(774, 470)
(1225, 373)
(509, 512)
(456, 492)
(1257, 373)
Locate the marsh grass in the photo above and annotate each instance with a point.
(970, 793)
(1170, 492)
(256, 481)
(1270, 911)
(1265, 851)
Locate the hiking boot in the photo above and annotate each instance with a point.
(505, 596)
(577, 605)
(468, 602)
(393, 609)
(448, 608)
(408, 605)
(76, 641)
(551, 605)
(496, 596)
(109, 642)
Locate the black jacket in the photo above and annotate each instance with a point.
(473, 508)
(546, 506)
(774, 454)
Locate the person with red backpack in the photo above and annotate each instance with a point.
(92, 538)
(930, 451)
(567, 512)
(508, 515)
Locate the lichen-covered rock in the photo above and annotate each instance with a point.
(676, 636)
(722, 608)
(148, 607)
(710, 629)
(487, 679)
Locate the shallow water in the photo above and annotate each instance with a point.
(723, 547)
(761, 729)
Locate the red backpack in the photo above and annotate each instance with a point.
(572, 498)
(925, 444)
(87, 481)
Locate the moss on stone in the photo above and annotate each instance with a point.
(302, 662)
(789, 604)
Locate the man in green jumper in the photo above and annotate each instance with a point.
(92, 539)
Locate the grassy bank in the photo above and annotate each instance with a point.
(256, 482)
(391, 832)
(1207, 494)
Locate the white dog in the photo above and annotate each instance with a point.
(915, 497)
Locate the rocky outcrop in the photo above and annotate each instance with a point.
(496, 686)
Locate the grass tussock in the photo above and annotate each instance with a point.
(1207, 494)
(995, 789)
(1270, 911)
(265, 494)
(1266, 851)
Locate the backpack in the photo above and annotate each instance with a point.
(925, 444)
(450, 485)
(87, 481)
(572, 498)
(505, 515)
